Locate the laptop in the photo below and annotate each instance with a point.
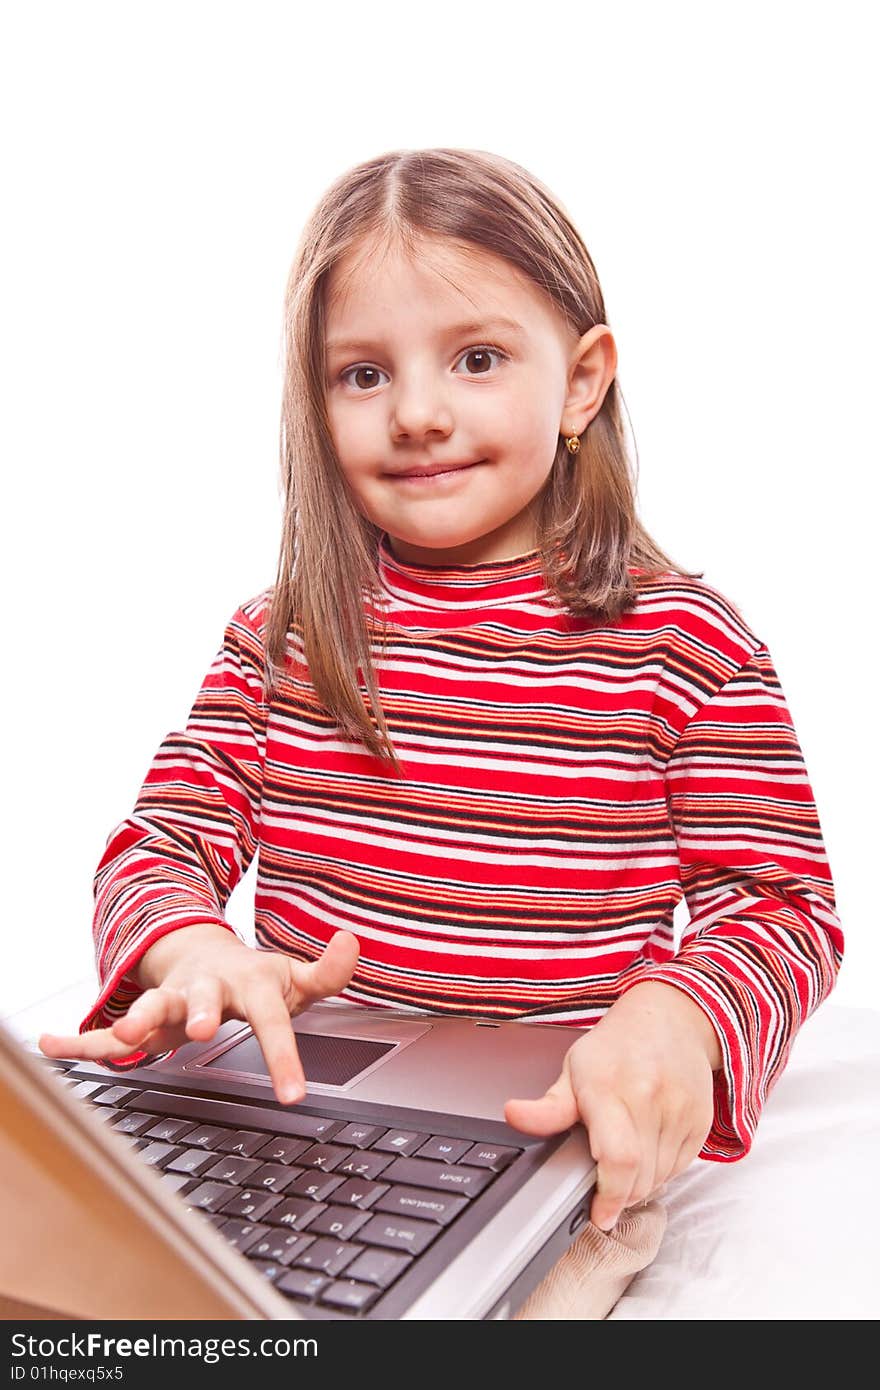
(394, 1190)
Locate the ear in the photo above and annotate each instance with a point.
(592, 367)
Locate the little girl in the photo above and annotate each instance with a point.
(483, 731)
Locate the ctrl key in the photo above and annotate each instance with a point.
(345, 1293)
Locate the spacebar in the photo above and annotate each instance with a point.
(223, 1112)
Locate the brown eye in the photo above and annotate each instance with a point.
(479, 360)
(366, 377)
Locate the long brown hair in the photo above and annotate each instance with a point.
(588, 532)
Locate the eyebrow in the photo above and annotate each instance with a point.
(482, 327)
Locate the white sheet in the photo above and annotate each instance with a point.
(791, 1231)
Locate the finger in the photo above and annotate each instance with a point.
(618, 1150)
(327, 975)
(548, 1114)
(154, 1009)
(204, 1008)
(97, 1045)
(266, 1012)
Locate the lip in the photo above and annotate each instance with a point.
(432, 470)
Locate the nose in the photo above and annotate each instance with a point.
(420, 407)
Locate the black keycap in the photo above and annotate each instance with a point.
(490, 1156)
(169, 1130)
(113, 1095)
(280, 1246)
(269, 1269)
(233, 1168)
(241, 1234)
(394, 1234)
(280, 1149)
(344, 1294)
(379, 1267)
(295, 1212)
(444, 1150)
(329, 1256)
(109, 1114)
(83, 1089)
(341, 1222)
(179, 1182)
(358, 1193)
(132, 1122)
(249, 1205)
(365, 1165)
(160, 1155)
(314, 1184)
(245, 1142)
(207, 1137)
(427, 1206)
(324, 1156)
(274, 1176)
(418, 1172)
(302, 1283)
(400, 1141)
(210, 1196)
(192, 1161)
(359, 1136)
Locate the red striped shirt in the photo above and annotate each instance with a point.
(567, 780)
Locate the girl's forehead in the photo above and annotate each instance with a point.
(377, 271)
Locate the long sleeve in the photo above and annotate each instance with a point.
(764, 943)
(193, 832)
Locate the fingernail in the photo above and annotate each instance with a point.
(291, 1092)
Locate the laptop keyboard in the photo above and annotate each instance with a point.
(332, 1212)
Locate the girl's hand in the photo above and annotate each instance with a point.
(641, 1083)
(198, 977)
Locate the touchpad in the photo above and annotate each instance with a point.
(327, 1060)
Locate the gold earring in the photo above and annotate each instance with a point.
(573, 444)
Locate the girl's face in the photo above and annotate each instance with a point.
(452, 360)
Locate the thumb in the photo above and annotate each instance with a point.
(330, 973)
(549, 1114)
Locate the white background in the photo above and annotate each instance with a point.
(160, 161)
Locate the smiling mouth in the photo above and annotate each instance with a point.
(426, 475)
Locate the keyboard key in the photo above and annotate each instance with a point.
(132, 1122)
(160, 1155)
(233, 1168)
(328, 1256)
(314, 1184)
(444, 1150)
(365, 1165)
(490, 1156)
(324, 1156)
(179, 1182)
(206, 1137)
(341, 1222)
(302, 1283)
(192, 1161)
(245, 1142)
(359, 1136)
(400, 1141)
(355, 1193)
(345, 1294)
(379, 1267)
(169, 1130)
(280, 1149)
(210, 1196)
(418, 1172)
(429, 1206)
(274, 1176)
(296, 1212)
(241, 1234)
(248, 1204)
(270, 1269)
(113, 1095)
(83, 1089)
(280, 1246)
(411, 1236)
